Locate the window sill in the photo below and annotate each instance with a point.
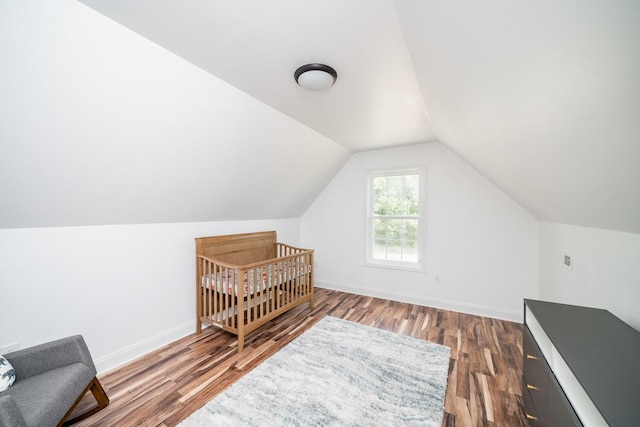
(417, 268)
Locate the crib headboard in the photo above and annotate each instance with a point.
(239, 249)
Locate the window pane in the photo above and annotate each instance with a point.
(411, 195)
(394, 250)
(394, 229)
(380, 195)
(394, 195)
(380, 249)
(410, 232)
(380, 229)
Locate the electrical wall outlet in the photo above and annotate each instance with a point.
(10, 348)
(567, 261)
(437, 278)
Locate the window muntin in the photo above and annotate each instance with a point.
(395, 218)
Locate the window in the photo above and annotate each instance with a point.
(395, 236)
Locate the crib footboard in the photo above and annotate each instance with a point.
(240, 299)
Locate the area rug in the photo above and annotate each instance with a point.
(338, 373)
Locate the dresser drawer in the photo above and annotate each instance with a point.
(529, 409)
(534, 365)
(536, 374)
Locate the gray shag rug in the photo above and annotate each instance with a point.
(338, 373)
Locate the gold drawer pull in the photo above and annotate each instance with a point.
(532, 357)
(532, 387)
(531, 417)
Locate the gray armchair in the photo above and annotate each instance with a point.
(51, 379)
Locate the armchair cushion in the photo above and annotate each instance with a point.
(44, 399)
(10, 414)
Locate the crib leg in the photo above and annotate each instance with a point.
(240, 343)
(240, 334)
(198, 308)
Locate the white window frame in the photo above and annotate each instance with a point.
(420, 265)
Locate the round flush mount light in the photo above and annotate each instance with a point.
(315, 76)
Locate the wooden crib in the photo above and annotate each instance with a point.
(245, 280)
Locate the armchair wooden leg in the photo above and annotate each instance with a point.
(101, 398)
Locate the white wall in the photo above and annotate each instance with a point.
(126, 288)
(484, 245)
(605, 273)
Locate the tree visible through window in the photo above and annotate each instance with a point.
(394, 217)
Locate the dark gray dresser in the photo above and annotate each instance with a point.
(581, 367)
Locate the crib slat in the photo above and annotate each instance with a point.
(235, 289)
(217, 295)
(198, 295)
(262, 290)
(207, 290)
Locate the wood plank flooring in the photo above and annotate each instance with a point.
(164, 387)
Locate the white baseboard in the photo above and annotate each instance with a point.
(462, 307)
(129, 353)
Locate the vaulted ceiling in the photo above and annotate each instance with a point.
(543, 98)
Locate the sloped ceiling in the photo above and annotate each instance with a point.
(257, 45)
(100, 126)
(541, 97)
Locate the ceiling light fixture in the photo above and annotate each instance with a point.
(315, 76)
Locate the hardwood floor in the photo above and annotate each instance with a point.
(164, 387)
